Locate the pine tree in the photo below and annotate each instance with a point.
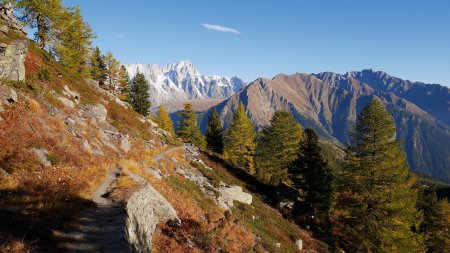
(164, 121)
(312, 177)
(239, 148)
(74, 40)
(189, 130)
(277, 148)
(214, 133)
(98, 69)
(376, 194)
(436, 224)
(113, 68)
(124, 80)
(41, 15)
(139, 94)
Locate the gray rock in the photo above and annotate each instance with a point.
(7, 14)
(87, 147)
(230, 193)
(4, 29)
(125, 144)
(173, 159)
(72, 94)
(42, 156)
(299, 244)
(8, 95)
(97, 112)
(66, 102)
(155, 172)
(12, 59)
(145, 209)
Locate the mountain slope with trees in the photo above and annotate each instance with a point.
(331, 110)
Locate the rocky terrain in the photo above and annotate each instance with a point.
(181, 81)
(330, 102)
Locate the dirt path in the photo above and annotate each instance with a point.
(99, 229)
(161, 155)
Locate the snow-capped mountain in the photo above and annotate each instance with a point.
(181, 82)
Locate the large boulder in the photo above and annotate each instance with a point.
(97, 112)
(8, 95)
(145, 209)
(12, 58)
(230, 193)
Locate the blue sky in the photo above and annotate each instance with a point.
(408, 39)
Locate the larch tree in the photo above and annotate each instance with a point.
(98, 70)
(123, 81)
(188, 129)
(42, 15)
(113, 68)
(74, 40)
(239, 141)
(277, 148)
(312, 177)
(164, 121)
(376, 194)
(139, 94)
(214, 133)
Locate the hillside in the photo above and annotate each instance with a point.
(81, 171)
(181, 82)
(329, 103)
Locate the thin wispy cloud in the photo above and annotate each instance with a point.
(219, 28)
(120, 36)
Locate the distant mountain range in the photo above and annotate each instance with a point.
(181, 81)
(330, 103)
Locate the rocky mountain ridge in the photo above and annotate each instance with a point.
(181, 82)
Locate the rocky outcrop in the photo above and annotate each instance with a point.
(12, 54)
(97, 112)
(145, 209)
(230, 193)
(9, 20)
(12, 57)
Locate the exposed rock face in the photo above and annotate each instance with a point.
(12, 59)
(329, 103)
(7, 15)
(125, 144)
(7, 95)
(181, 82)
(230, 193)
(42, 155)
(145, 209)
(97, 112)
(12, 54)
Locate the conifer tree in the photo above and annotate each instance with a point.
(214, 133)
(189, 130)
(164, 120)
(98, 69)
(139, 94)
(312, 177)
(41, 15)
(124, 80)
(436, 224)
(74, 40)
(376, 194)
(113, 68)
(239, 141)
(277, 148)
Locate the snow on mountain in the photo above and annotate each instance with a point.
(181, 82)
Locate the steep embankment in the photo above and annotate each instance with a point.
(331, 107)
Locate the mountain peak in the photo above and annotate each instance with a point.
(181, 81)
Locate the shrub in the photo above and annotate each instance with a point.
(44, 75)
